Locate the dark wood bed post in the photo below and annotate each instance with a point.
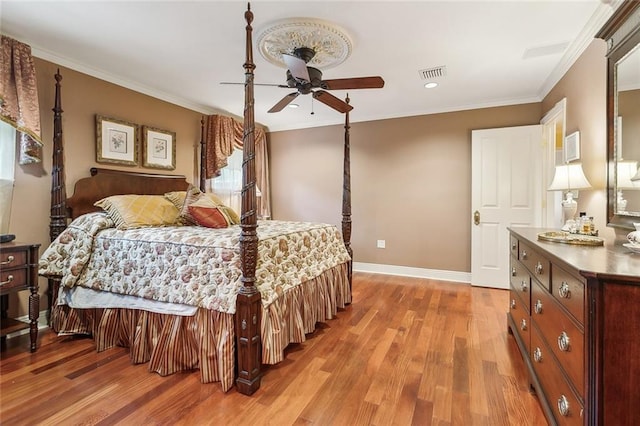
(203, 157)
(248, 305)
(58, 217)
(346, 194)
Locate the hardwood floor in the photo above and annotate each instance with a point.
(407, 352)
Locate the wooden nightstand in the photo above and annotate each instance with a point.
(18, 272)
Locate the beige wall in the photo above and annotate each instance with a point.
(585, 87)
(411, 177)
(82, 98)
(410, 181)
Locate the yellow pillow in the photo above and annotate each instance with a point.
(205, 201)
(138, 211)
(178, 197)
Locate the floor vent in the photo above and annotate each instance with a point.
(435, 72)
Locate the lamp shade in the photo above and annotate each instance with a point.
(568, 177)
(625, 175)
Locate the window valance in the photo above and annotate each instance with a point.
(19, 97)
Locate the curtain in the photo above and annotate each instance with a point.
(221, 135)
(19, 97)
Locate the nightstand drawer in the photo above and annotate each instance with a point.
(13, 279)
(12, 259)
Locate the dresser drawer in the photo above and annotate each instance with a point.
(538, 265)
(11, 259)
(566, 406)
(564, 337)
(520, 317)
(513, 246)
(569, 291)
(520, 282)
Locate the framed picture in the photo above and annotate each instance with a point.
(572, 147)
(116, 141)
(158, 148)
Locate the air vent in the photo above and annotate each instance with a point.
(434, 72)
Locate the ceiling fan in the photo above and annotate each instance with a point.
(305, 79)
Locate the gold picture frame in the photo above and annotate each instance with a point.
(158, 148)
(116, 141)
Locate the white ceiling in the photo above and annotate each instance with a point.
(180, 51)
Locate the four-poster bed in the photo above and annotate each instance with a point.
(203, 335)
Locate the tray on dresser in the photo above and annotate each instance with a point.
(569, 238)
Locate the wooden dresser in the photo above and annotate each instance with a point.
(575, 314)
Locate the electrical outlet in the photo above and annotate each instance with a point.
(381, 244)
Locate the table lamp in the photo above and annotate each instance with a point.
(625, 179)
(569, 177)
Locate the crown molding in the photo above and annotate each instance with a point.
(602, 13)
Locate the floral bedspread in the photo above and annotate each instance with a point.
(188, 264)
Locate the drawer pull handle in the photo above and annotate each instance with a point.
(564, 342)
(523, 285)
(513, 245)
(538, 306)
(513, 303)
(537, 355)
(539, 268)
(563, 406)
(9, 279)
(513, 272)
(8, 261)
(564, 291)
(523, 255)
(523, 324)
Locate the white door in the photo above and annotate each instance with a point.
(505, 192)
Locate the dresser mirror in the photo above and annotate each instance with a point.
(622, 34)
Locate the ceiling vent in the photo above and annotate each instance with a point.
(431, 73)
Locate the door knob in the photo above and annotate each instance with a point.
(476, 217)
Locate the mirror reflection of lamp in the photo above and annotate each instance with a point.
(625, 179)
(569, 178)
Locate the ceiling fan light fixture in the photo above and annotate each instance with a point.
(293, 106)
(431, 85)
(331, 45)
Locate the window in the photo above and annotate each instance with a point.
(228, 185)
(7, 169)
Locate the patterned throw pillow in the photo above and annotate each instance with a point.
(211, 217)
(139, 211)
(194, 197)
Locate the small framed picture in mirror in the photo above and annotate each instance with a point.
(572, 147)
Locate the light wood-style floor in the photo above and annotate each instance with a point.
(407, 352)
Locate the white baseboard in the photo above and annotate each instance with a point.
(42, 323)
(408, 271)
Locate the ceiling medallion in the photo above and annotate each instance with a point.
(331, 44)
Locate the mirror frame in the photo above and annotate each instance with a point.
(622, 34)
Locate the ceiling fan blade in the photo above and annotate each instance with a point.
(353, 83)
(259, 84)
(331, 101)
(284, 102)
(297, 67)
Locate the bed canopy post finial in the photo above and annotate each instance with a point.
(346, 193)
(248, 305)
(203, 157)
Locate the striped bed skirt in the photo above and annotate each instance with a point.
(206, 340)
